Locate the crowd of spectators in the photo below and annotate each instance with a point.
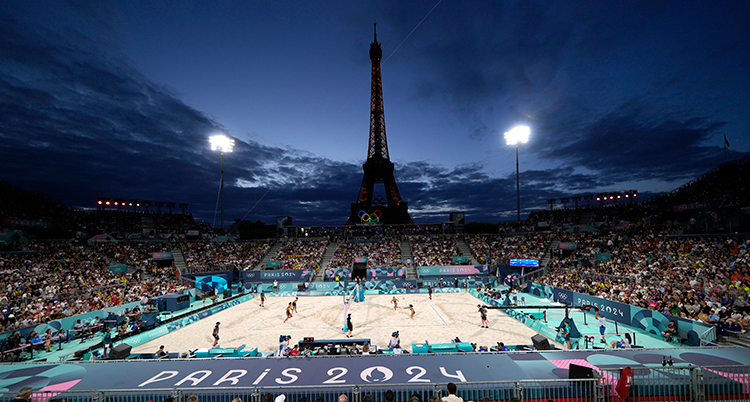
(491, 249)
(63, 279)
(380, 252)
(206, 256)
(21, 209)
(434, 250)
(301, 254)
(689, 277)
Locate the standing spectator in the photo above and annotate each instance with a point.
(24, 395)
(106, 342)
(602, 324)
(452, 394)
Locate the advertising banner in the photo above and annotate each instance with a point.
(281, 275)
(568, 245)
(454, 270)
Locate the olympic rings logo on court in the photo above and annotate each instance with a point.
(372, 217)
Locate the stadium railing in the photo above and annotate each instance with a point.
(679, 383)
(583, 390)
(688, 383)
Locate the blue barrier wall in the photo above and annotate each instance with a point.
(67, 322)
(650, 321)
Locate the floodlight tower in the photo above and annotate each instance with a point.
(223, 144)
(517, 135)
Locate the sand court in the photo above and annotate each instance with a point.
(447, 316)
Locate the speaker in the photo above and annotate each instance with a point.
(576, 372)
(120, 352)
(540, 342)
(420, 284)
(300, 287)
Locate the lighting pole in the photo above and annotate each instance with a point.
(515, 136)
(221, 143)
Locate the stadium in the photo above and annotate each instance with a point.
(429, 286)
(607, 296)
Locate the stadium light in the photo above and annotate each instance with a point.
(221, 143)
(517, 135)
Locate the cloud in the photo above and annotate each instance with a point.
(633, 143)
(77, 121)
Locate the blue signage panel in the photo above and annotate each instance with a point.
(524, 263)
(454, 270)
(347, 371)
(281, 275)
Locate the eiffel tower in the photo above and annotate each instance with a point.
(378, 167)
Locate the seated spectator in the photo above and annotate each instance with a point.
(624, 343)
(670, 331)
(161, 353)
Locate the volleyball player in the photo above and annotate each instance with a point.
(294, 305)
(288, 312)
(395, 303)
(262, 298)
(483, 315)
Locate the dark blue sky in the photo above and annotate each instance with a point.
(117, 99)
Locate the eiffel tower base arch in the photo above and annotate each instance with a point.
(389, 215)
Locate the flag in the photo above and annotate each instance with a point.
(726, 141)
(625, 382)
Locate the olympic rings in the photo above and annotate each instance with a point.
(373, 217)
